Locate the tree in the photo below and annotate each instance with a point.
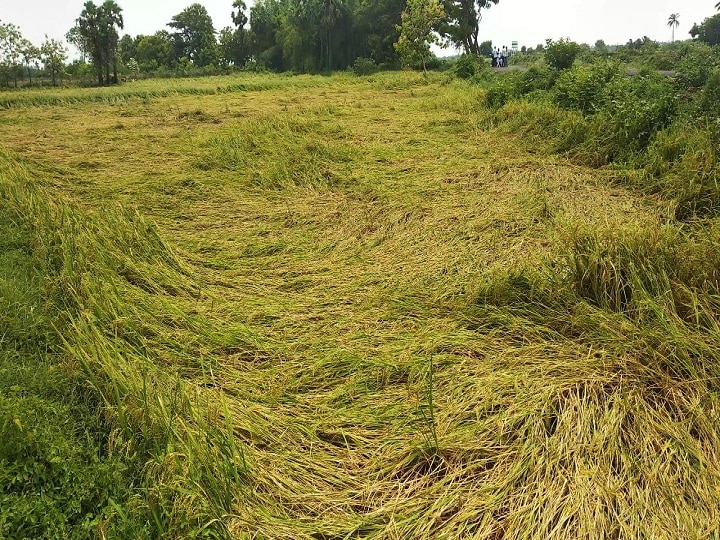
(708, 32)
(673, 23)
(461, 25)
(416, 31)
(30, 56)
(154, 51)
(375, 25)
(53, 55)
(195, 35)
(127, 47)
(234, 42)
(10, 53)
(96, 34)
(111, 20)
(486, 48)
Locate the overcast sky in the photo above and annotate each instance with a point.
(527, 21)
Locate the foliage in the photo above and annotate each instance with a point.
(461, 25)
(154, 51)
(695, 65)
(11, 53)
(583, 87)
(96, 33)
(708, 31)
(468, 66)
(53, 55)
(561, 54)
(364, 66)
(416, 31)
(195, 35)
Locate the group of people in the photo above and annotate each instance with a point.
(500, 56)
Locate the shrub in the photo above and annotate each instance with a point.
(364, 66)
(695, 66)
(505, 88)
(561, 54)
(467, 66)
(582, 87)
(633, 111)
(537, 78)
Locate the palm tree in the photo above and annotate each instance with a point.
(717, 6)
(113, 20)
(673, 23)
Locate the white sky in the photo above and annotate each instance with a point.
(527, 21)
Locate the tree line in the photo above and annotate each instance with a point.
(281, 35)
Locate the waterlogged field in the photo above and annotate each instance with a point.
(339, 307)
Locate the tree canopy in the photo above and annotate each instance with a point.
(707, 32)
(195, 35)
(96, 33)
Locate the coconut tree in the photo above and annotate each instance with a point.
(673, 23)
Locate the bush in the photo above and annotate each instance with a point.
(695, 66)
(467, 66)
(364, 66)
(582, 87)
(561, 54)
(633, 111)
(505, 89)
(709, 101)
(537, 78)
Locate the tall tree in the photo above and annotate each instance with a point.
(376, 25)
(195, 35)
(416, 31)
(154, 51)
(673, 23)
(96, 32)
(30, 56)
(461, 24)
(112, 20)
(10, 53)
(235, 42)
(53, 55)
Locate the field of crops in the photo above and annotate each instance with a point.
(344, 307)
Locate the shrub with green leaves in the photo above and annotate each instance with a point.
(364, 66)
(582, 87)
(561, 54)
(537, 78)
(467, 66)
(695, 66)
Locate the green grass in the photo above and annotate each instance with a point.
(338, 307)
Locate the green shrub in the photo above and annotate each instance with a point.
(708, 104)
(632, 112)
(537, 78)
(695, 67)
(364, 66)
(467, 66)
(582, 87)
(561, 54)
(501, 92)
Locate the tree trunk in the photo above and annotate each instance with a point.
(115, 77)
